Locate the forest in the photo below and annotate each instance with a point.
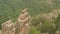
(45, 14)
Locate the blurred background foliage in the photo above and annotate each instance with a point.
(10, 9)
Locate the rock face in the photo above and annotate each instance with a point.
(8, 27)
(22, 26)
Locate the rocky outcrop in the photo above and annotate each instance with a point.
(22, 26)
(8, 27)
